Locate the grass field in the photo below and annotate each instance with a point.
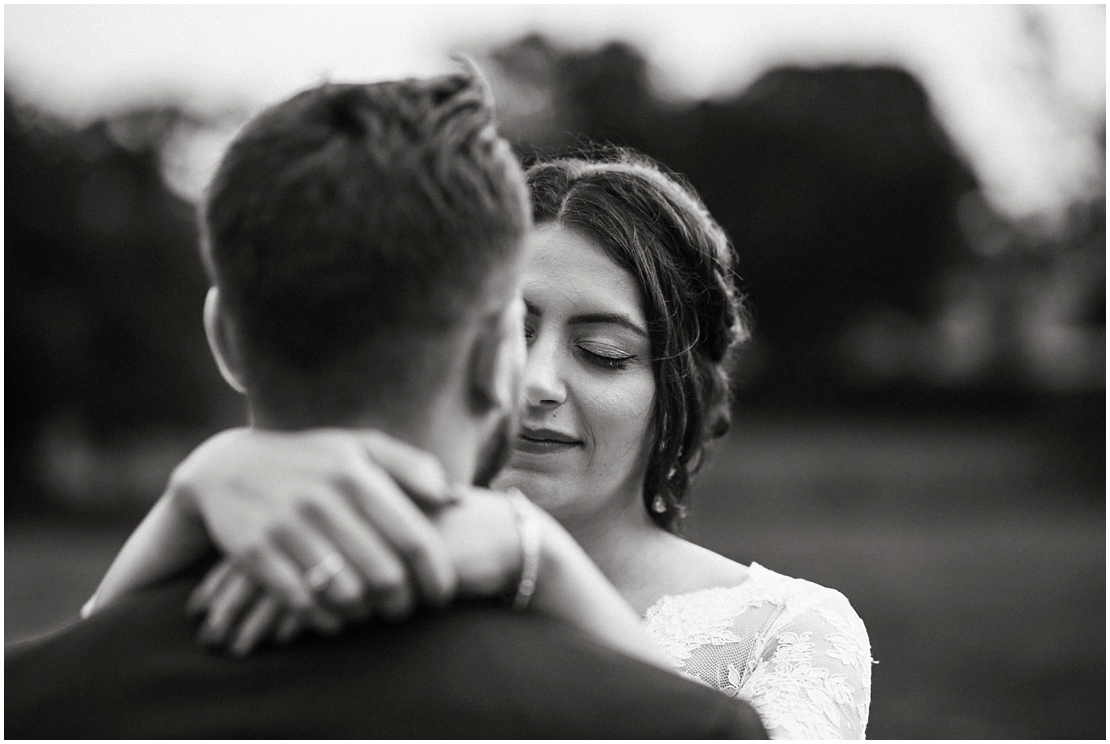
(972, 550)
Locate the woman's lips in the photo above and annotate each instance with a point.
(544, 444)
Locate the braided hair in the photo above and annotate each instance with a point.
(652, 224)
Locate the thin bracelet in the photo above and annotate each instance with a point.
(529, 528)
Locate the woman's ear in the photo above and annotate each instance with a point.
(497, 360)
(218, 328)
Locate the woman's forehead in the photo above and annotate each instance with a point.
(563, 267)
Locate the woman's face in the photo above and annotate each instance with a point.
(588, 386)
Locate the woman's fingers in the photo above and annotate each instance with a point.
(201, 597)
(281, 575)
(385, 574)
(382, 504)
(257, 624)
(227, 603)
(324, 566)
(240, 618)
(416, 471)
(289, 626)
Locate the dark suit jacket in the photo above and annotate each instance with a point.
(473, 671)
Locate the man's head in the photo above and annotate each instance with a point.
(364, 244)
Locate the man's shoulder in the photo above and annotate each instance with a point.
(476, 670)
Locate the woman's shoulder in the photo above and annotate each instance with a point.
(765, 603)
(794, 593)
(808, 607)
(758, 586)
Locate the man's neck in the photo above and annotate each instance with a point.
(435, 428)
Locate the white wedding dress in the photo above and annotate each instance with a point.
(795, 650)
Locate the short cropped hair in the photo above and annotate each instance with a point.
(652, 223)
(354, 213)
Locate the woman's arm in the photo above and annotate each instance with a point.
(278, 503)
(169, 539)
(484, 542)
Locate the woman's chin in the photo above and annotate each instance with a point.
(542, 490)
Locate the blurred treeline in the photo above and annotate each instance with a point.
(108, 380)
(878, 274)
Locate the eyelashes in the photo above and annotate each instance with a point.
(602, 356)
(606, 361)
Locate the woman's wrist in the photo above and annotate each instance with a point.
(531, 543)
(482, 542)
(559, 556)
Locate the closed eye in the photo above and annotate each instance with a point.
(607, 360)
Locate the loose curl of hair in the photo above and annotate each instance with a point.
(652, 224)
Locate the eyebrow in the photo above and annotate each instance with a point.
(619, 319)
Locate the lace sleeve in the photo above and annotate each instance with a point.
(795, 650)
(810, 675)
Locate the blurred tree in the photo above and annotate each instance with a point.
(838, 187)
(104, 290)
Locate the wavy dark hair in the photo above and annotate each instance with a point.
(652, 223)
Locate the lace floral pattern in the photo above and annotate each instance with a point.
(795, 650)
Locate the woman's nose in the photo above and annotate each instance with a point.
(543, 383)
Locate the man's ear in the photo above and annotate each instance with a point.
(221, 340)
(497, 360)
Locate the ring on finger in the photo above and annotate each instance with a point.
(319, 576)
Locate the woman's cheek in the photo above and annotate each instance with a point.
(620, 417)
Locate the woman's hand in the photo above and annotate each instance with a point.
(239, 613)
(481, 539)
(281, 504)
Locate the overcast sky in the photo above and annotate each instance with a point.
(1021, 89)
